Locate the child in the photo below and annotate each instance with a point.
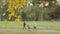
(28, 27)
(35, 25)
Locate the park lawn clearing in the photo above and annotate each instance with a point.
(29, 33)
(41, 25)
(50, 25)
(14, 31)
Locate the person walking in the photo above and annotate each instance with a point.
(24, 25)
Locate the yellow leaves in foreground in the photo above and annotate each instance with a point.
(11, 15)
(3, 14)
(6, 24)
(10, 9)
(18, 17)
(17, 20)
(11, 5)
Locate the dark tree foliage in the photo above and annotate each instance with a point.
(55, 14)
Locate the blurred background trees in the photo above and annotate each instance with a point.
(36, 10)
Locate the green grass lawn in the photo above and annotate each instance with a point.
(40, 33)
(29, 33)
(41, 25)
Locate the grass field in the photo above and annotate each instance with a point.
(28, 32)
(41, 25)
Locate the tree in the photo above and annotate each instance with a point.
(14, 7)
(47, 6)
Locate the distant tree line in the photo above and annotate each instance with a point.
(36, 10)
